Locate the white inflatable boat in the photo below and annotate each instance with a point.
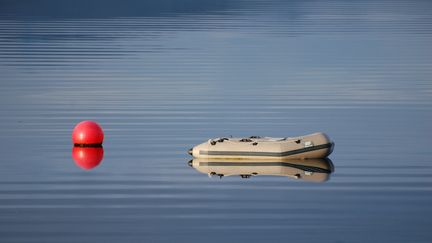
(312, 146)
(317, 170)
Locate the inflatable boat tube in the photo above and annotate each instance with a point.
(312, 146)
(317, 170)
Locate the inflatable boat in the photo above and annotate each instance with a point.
(317, 170)
(312, 146)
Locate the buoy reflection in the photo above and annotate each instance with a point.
(316, 170)
(87, 158)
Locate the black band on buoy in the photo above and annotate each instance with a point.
(96, 145)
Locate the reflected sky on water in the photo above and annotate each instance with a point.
(162, 76)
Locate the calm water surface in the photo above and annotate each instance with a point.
(161, 77)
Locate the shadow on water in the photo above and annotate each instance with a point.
(316, 170)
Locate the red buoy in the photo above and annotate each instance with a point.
(87, 134)
(87, 158)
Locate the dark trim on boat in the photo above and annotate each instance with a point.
(270, 154)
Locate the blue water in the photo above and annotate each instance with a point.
(163, 76)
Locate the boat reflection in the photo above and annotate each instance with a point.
(316, 170)
(87, 158)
